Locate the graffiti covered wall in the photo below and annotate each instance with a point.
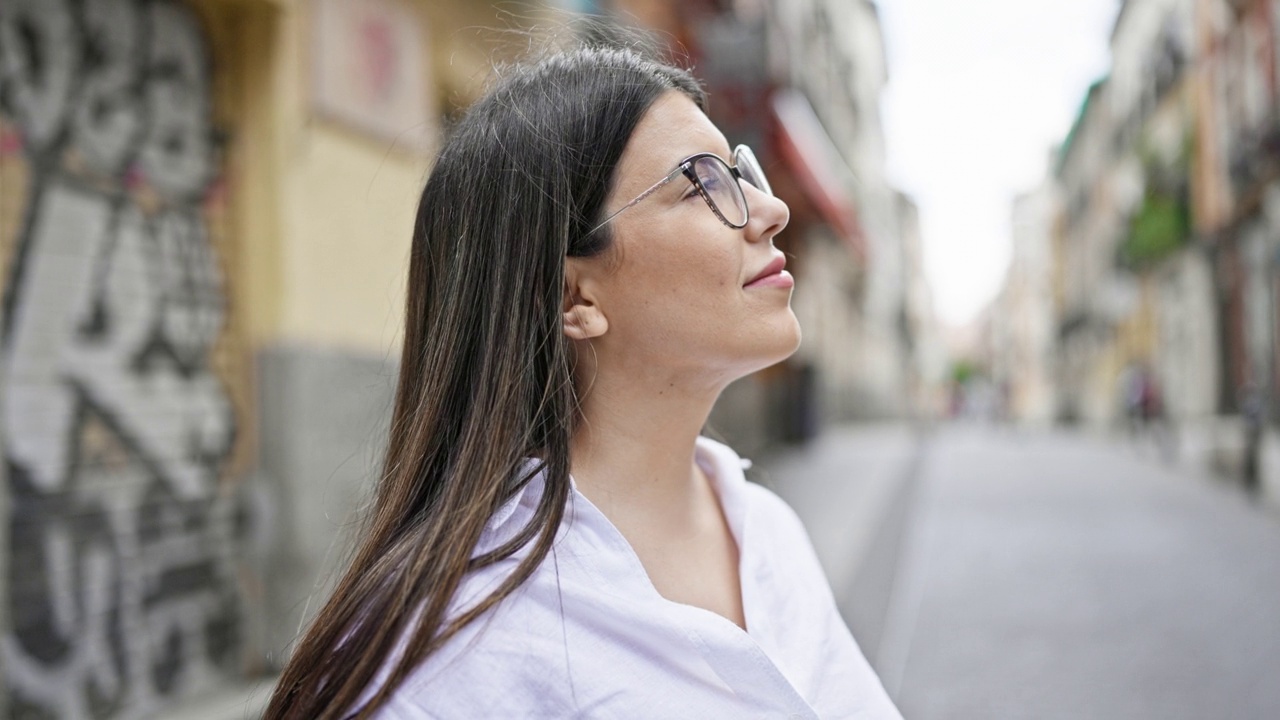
(117, 364)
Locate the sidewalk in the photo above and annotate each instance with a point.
(1213, 448)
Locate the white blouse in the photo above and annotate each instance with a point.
(588, 636)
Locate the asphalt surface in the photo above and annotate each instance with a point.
(997, 574)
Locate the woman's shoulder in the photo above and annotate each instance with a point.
(500, 665)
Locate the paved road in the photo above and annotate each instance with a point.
(1050, 576)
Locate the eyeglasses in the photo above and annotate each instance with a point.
(717, 182)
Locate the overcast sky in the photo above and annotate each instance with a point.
(979, 92)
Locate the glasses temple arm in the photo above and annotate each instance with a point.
(652, 189)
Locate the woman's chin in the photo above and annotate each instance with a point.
(788, 336)
(776, 347)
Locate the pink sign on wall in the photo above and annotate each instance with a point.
(370, 70)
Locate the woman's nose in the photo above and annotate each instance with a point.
(769, 215)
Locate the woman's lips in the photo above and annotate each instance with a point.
(773, 275)
(782, 278)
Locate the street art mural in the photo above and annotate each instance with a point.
(115, 416)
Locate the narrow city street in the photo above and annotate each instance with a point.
(1043, 575)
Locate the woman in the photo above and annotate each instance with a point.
(551, 536)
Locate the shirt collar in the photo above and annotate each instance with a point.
(722, 465)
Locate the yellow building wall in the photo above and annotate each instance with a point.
(324, 215)
(325, 212)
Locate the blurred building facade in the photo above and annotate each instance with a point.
(927, 354)
(1164, 234)
(832, 56)
(1023, 332)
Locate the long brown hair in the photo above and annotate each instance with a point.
(486, 373)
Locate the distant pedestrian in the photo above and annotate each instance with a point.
(1155, 419)
(1145, 418)
(1131, 387)
(592, 264)
(1150, 398)
(1253, 415)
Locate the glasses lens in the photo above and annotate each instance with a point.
(723, 189)
(749, 168)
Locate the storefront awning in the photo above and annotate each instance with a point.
(809, 153)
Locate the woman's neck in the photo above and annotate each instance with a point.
(632, 453)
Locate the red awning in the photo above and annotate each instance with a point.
(803, 144)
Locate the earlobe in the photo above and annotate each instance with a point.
(583, 321)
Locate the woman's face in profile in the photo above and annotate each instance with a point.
(676, 294)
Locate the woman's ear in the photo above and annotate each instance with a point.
(583, 317)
